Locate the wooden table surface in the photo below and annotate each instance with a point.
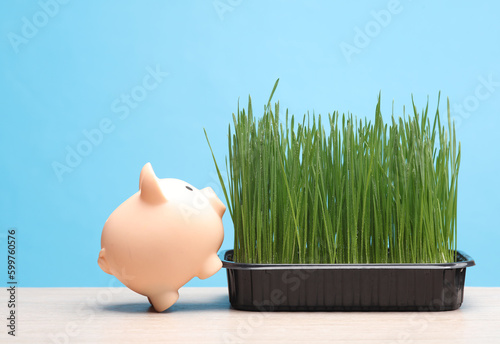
(203, 315)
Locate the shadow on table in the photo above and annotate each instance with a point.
(221, 302)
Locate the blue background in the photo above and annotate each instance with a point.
(67, 76)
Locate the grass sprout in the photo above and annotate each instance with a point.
(341, 190)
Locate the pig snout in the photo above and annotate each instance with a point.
(215, 202)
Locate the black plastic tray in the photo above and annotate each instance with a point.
(346, 287)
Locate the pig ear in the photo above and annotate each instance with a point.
(150, 187)
(215, 202)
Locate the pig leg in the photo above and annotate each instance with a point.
(210, 267)
(161, 302)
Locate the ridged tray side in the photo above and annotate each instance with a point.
(334, 289)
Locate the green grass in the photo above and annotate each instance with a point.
(356, 192)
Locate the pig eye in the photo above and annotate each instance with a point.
(187, 187)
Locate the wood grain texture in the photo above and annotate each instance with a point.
(203, 315)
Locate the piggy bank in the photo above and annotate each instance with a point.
(162, 236)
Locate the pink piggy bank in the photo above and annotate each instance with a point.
(162, 236)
